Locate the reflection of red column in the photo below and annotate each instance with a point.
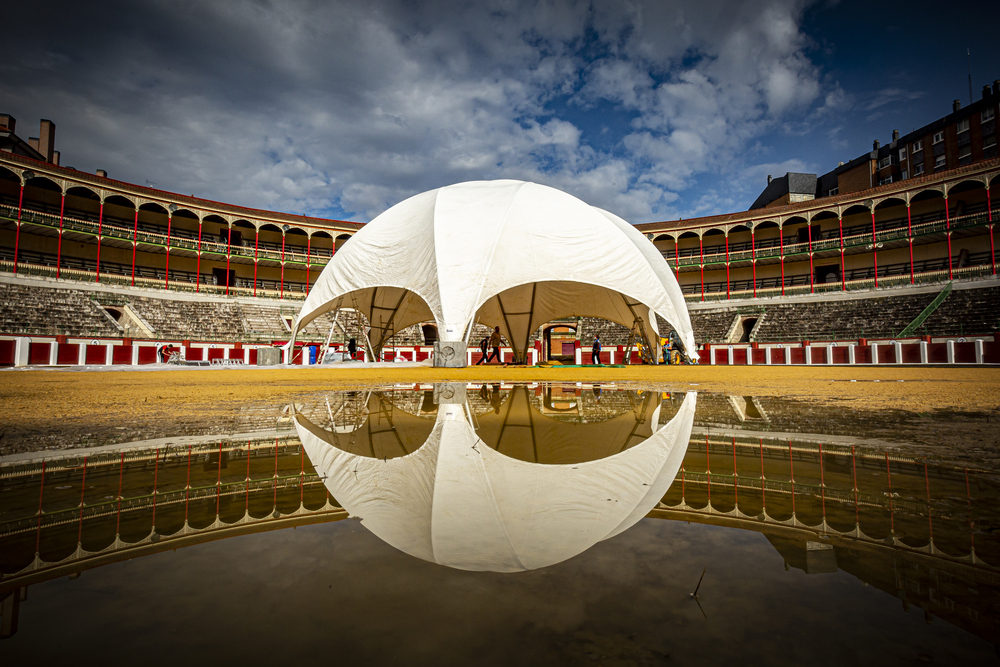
(947, 226)
(197, 268)
(256, 244)
(843, 278)
(135, 242)
(874, 248)
(62, 209)
(309, 240)
(701, 252)
(888, 476)
(736, 477)
(166, 271)
(118, 513)
(156, 479)
(763, 493)
(753, 258)
(100, 228)
(781, 252)
(17, 235)
(909, 234)
(83, 488)
(930, 521)
(41, 490)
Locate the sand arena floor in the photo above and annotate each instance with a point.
(44, 396)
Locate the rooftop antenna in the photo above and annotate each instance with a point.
(968, 61)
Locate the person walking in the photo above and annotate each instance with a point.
(352, 348)
(484, 346)
(496, 340)
(595, 352)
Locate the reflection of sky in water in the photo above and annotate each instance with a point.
(846, 540)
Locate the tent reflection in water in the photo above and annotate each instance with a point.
(502, 253)
(456, 501)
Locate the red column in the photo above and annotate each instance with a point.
(17, 235)
(677, 258)
(701, 251)
(947, 225)
(135, 242)
(874, 248)
(809, 236)
(781, 252)
(727, 264)
(309, 240)
(281, 293)
(909, 234)
(753, 259)
(166, 272)
(197, 268)
(843, 278)
(989, 217)
(62, 209)
(100, 229)
(256, 244)
(229, 247)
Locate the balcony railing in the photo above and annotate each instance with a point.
(859, 236)
(115, 229)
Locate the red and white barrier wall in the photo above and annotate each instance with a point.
(74, 351)
(925, 350)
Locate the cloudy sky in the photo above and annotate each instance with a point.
(653, 110)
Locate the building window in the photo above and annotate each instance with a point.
(938, 137)
(885, 181)
(990, 141)
(962, 126)
(918, 169)
(939, 162)
(902, 154)
(904, 175)
(965, 154)
(987, 115)
(918, 145)
(833, 191)
(885, 162)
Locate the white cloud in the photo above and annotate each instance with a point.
(354, 106)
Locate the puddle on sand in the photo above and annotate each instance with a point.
(498, 523)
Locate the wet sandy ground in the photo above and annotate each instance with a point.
(74, 408)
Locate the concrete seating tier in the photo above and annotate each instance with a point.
(209, 320)
(963, 312)
(710, 326)
(52, 312)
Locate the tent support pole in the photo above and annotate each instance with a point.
(506, 323)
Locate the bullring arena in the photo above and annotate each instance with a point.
(177, 374)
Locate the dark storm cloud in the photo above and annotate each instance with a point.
(346, 108)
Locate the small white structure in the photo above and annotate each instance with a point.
(501, 253)
(457, 502)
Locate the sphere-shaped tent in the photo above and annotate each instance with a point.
(502, 253)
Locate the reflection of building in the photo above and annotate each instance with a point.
(923, 533)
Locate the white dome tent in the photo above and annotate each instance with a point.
(457, 502)
(505, 253)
